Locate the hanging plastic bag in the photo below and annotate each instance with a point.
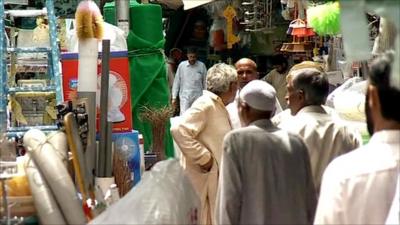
(164, 196)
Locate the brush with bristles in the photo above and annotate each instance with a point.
(89, 21)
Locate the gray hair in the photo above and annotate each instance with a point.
(313, 83)
(220, 77)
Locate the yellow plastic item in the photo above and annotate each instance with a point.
(229, 14)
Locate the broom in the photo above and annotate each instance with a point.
(89, 30)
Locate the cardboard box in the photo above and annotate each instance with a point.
(128, 142)
(119, 87)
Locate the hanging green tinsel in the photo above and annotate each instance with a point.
(325, 18)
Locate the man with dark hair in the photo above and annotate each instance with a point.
(174, 58)
(189, 81)
(265, 172)
(325, 136)
(277, 77)
(359, 187)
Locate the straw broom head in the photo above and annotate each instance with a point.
(89, 21)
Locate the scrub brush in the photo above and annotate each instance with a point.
(89, 21)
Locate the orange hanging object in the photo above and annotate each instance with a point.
(229, 14)
(218, 40)
(303, 32)
(299, 28)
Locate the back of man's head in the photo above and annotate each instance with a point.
(220, 77)
(313, 83)
(380, 73)
(258, 95)
(279, 59)
(304, 65)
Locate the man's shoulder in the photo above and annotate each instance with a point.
(362, 161)
(201, 64)
(205, 100)
(183, 63)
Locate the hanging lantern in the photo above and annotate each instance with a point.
(299, 28)
(301, 32)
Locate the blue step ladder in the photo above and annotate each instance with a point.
(53, 84)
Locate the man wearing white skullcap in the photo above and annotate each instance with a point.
(265, 173)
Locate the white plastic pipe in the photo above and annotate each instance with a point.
(87, 87)
(46, 206)
(56, 175)
(59, 141)
(87, 65)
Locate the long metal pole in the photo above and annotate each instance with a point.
(122, 14)
(104, 154)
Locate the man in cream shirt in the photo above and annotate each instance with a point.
(277, 77)
(199, 134)
(325, 137)
(359, 187)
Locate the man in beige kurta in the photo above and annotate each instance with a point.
(200, 133)
(277, 78)
(325, 136)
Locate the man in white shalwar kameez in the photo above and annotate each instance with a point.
(325, 136)
(265, 172)
(359, 187)
(199, 134)
(189, 81)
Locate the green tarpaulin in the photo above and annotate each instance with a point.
(149, 86)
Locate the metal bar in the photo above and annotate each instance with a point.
(31, 89)
(29, 50)
(104, 155)
(122, 11)
(3, 71)
(26, 128)
(26, 12)
(55, 53)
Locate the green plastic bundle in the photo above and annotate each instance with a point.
(149, 86)
(324, 19)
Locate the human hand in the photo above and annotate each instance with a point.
(207, 167)
(173, 103)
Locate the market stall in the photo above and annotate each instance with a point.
(85, 103)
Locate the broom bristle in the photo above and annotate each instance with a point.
(89, 21)
(99, 27)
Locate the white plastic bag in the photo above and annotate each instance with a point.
(348, 100)
(163, 196)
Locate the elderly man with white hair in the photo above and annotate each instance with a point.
(265, 171)
(325, 136)
(199, 134)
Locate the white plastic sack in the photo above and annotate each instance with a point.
(348, 100)
(163, 196)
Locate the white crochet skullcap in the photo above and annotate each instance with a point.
(259, 95)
